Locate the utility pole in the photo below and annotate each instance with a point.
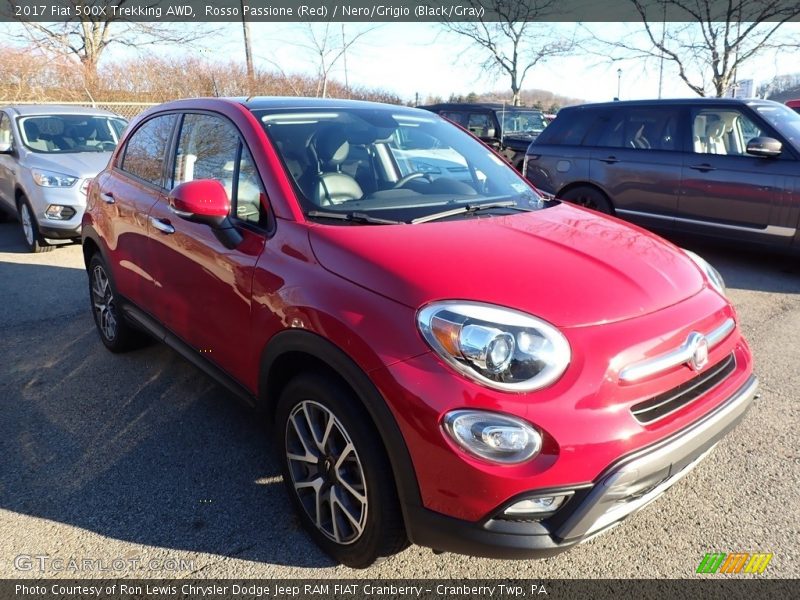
(344, 58)
(248, 51)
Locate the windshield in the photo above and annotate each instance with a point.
(389, 164)
(522, 121)
(61, 134)
(782, 118)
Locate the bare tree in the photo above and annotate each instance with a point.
(707, 41)
(513, 43)
(327, 46)
(86, 38)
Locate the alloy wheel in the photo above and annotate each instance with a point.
(326, 471)
(27, 223)
(103, 303)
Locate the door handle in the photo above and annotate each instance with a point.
(162, 225)
(704, 168)
(107, 197)
(610, 160)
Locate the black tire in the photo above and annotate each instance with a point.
(115, 332)
(30, 228)
(589, 197)
(375, 529)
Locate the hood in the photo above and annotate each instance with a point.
(566, 265)
(79, 164)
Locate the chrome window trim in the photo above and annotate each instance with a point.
(683, 354)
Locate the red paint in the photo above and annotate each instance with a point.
(618, 293)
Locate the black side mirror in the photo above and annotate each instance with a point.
(764, 146)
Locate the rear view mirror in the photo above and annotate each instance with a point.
(206, 201)
(764, 146)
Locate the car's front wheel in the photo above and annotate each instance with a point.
(30, 229)
(115, 332)
(336, 471)
(590, 198)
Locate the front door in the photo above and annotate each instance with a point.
(206, 287)
(728, 192)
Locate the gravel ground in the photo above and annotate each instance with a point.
(140, 457)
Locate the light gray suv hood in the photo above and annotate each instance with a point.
(77, 164)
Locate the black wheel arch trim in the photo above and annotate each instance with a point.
(296, 340)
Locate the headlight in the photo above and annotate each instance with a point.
(498, 347)
(714, 278)
(492, 436)
(52, 179)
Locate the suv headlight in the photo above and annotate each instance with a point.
(713, 276)
(498, 347)
(52, 179)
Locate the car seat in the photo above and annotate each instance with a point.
(714, 132)
(33, 133)
(333, 186)
(699, 133)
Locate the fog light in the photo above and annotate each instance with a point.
(58, 212)
(535, 506)
(492, 436)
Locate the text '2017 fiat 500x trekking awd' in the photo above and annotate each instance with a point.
(447, 358)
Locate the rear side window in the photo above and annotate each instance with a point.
(647, 128)
(569, 128)
(456, 117)
(146, 149)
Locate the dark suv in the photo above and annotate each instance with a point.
(508, 129)
(715, 167)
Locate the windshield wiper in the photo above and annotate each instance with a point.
(469, 209)
(353, 217)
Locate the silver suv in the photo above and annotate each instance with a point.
(48, 154)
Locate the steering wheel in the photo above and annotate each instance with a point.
(405, 179)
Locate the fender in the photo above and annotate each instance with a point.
(298, 340)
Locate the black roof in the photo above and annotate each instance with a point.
(671, 102)
(474, 105)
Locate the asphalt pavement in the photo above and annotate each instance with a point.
(143, 460)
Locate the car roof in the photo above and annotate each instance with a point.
(672, 102)
(474, 105)
(25, 110)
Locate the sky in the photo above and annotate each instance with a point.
(421, 58)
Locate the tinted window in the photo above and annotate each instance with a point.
(650, 128)
(569, 128)
(479, 124)
(147, 147)
(209, 147)
(456, 117)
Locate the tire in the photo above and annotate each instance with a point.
(589, 197)
(30, 228)
(323, 495)
(115, 332)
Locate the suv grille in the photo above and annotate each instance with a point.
(668, 402)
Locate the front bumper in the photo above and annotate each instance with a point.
(625, 487)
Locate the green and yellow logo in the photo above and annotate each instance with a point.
(719, 562)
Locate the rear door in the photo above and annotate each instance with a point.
(136, 182)
(637, 160)
(727, 192)
(206, 288)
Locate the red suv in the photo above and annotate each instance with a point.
(447, 357)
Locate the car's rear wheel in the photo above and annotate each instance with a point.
(336, 471)
(588, 197)
(115, 332)
(30, 228)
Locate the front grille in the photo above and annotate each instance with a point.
(668, 402)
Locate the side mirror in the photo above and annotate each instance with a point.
(206, 201)
(764, 146)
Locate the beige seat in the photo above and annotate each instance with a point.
(699, 134)
(714, 136)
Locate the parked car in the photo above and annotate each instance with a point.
(48, 153)
(423, 346)
(713, 167)
(508, 129)
(794, 105)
